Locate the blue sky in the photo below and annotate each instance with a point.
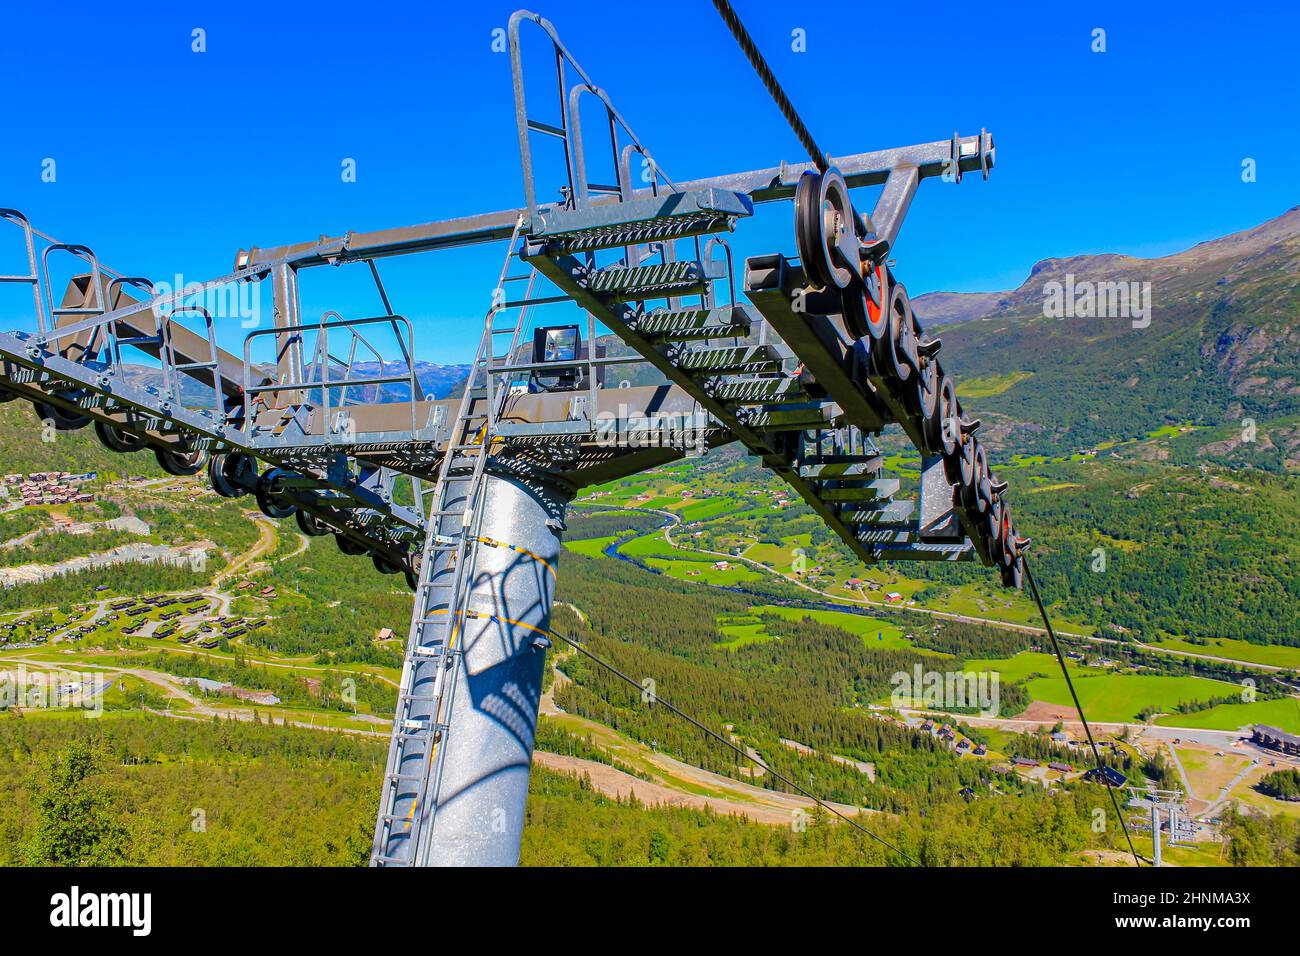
(169, 161)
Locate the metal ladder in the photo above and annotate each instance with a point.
(421, 724)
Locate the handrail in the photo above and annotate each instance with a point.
(562, 55)
(86, 255)
(325, 383)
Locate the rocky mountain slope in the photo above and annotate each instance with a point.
(1219, 346)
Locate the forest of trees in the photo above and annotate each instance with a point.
(603, 523)
(1281, 784)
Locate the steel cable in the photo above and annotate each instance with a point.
(732, 20)
(1096, 754)
(582, 649)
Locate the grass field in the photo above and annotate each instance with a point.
(1284, 713)
(653, 545)
(1209, 774)
(990, 385)
(707, 508)
(1022, 666)
(590, 547)
(1119, 697)
(705, 573)
(742, 631)
(1277, 655)
(875, 632)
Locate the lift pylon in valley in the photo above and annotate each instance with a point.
(803, 358)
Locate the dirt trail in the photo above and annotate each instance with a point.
(777, 809)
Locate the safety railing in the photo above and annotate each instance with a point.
(569, 130)
(320, 374)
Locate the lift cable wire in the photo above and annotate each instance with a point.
(582, 649)
(1096, 754)
(732, 20)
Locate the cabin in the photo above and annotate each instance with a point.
(1024, 761)
(1108, 776)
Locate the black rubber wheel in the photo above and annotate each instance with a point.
(118, 439)
(825, 229)
(954, 461)
(896, 353)
(269, 501)
(182, 464)
(348, 546)
(231, 473)
(925, 398)
(310, 525)
(64, 421)
(941, 441)
(974, 490)
(878, 318)
(856, 309)
(384, 567)
(272, 508)
(991, 532)
(412, 581)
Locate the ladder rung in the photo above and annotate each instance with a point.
(422, 698)
(409, 736)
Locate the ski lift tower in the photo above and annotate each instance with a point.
(802, 355)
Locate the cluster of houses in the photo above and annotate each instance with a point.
(227, 628)
(50, 487)
(1095, 662)
(268, 592)
(947, 734)
(36, 634)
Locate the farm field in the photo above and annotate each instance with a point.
(705, 572)
(1276, 655)
(591, 547)
(1284, 713)
(875, 632)
(1119, 697)
(1022, 666)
